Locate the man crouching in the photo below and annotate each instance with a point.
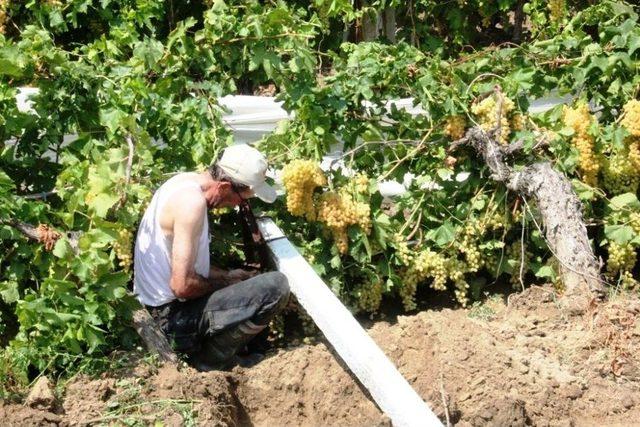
(206, 312)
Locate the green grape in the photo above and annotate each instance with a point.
(370, 296)
(122, 246)
(579, 119)
(622, 257)
(620, 176)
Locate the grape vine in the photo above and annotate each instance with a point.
(395, 215)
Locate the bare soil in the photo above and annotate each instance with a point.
(518, 362)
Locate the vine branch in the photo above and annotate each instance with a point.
(127, 174)
(143, 323)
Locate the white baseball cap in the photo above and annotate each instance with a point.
(245, 165)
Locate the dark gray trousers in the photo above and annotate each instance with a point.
(212, 328)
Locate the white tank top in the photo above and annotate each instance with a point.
(152, 254)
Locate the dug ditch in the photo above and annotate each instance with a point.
(517, 362)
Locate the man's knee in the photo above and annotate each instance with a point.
(277, 287)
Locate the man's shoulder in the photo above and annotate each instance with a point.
(189, 199)
(187, 203)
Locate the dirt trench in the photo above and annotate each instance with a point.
(519, 363)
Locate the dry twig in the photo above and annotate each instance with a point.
(445, 403)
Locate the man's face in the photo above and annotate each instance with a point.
(239, 194)
(227, 194)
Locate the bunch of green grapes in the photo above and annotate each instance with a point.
(402, 250)
(496, 221)
(309, 327)
(361, 182)
(408, 291)
(455, 272)
(461, 291)
(143, 205)
(472, 234)
(634, 154)
(424, 264)
(338, 210)
(95, 26)
(579, 119)
(622, 257)
(220, 211)
(514, 252)
(4, 6)
(454, 127)
(634, 221)
(517, 122)
(620, 175)
(492, 262)
(276, 328)
(486, 112)
(557, 10)
(468, 245)
(370, 296)
(122, 246)
(631, 119)
(627, 280)
(300, 179)
(477, 227)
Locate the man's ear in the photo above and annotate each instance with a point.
(224, 187)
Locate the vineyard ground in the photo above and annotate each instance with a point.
(514, 361)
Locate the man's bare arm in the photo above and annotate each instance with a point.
(185, 282)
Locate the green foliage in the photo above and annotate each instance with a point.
(153, 72)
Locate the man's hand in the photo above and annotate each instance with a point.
(238, 275)
(220, 278)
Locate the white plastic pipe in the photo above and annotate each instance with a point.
(374, 370)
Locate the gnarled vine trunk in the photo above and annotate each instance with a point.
(564, 226)
(560, 209)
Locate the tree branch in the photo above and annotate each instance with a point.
(27, 230)
(518, 20)
(39, 196)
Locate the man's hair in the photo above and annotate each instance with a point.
(218, 174)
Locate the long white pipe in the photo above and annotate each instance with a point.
(387, 386)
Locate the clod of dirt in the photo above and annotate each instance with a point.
(213, 391)
(86, 399)
(19, 416)
(504, 412)
(41, 396)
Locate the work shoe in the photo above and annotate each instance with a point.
(247, 361)
(219, 351)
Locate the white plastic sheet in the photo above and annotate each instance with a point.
(252, 117)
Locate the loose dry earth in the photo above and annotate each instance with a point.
(519, 363)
